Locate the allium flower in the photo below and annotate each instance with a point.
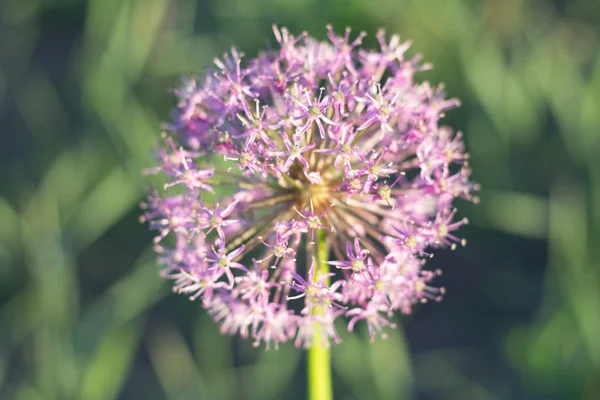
(316, 139)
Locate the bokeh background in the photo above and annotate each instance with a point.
(84, 87)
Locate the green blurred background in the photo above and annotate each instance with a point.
(84, 87)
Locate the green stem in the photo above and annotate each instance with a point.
(319, 357)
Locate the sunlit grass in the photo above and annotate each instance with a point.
(530, 85)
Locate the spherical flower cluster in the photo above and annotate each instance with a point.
(314, 141)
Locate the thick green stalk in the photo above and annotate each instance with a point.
(319, 358)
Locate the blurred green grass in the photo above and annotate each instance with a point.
(83, 315)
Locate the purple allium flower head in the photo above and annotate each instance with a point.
(316, 137)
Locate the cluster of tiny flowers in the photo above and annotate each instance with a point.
(268, 156)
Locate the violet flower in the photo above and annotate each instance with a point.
(313, 138)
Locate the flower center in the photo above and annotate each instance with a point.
(411, 242)
(224, 262)
(279, 251)
(215, 221)
(443, 230)
(357, 265)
